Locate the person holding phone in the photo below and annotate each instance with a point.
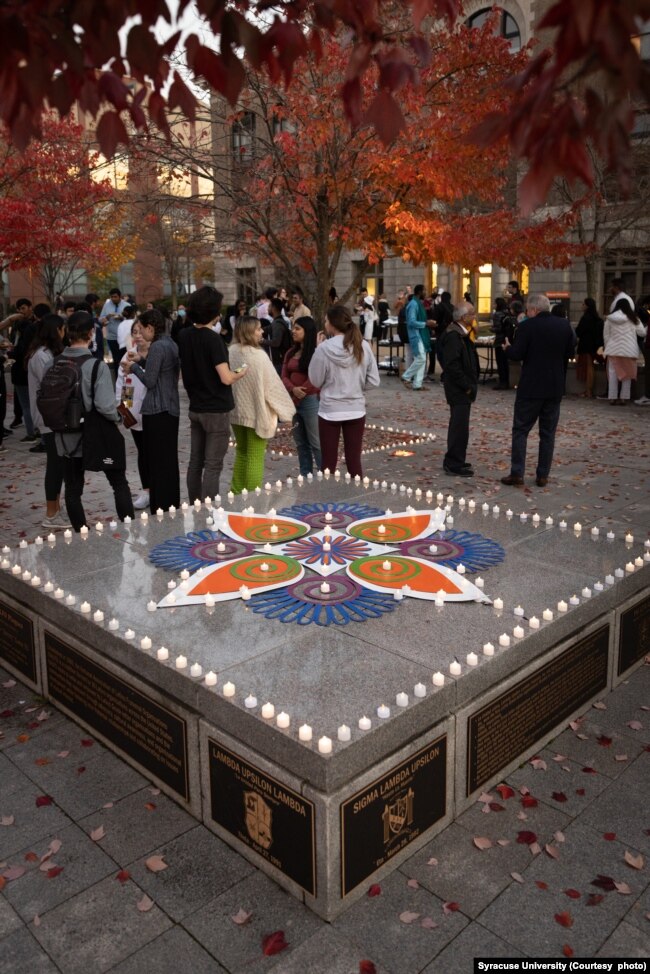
(208, 379)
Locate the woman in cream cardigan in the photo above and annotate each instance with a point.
(622, 327)
(260, 400)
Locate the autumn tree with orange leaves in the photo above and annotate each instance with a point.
(305, 188)
(57, 218)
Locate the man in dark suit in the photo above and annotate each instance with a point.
(543, 344)
(460, 381)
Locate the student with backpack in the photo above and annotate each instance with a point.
(75, 386)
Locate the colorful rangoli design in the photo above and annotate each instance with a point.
(328, 564)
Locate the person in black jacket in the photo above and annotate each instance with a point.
(590, 338)
(543, 344)
(460, 380)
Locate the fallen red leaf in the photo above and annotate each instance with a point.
(123, 876)
(8, 713)
(589, 770)
(594, 899)
(540, 884)
(375, 890)
(450, 907)
(43, 800)
(496, 807)
(604, 882)
(529, 802)
(564, 919)
(572, 894)
(41, 762)
(54, 871)
(86, 742)
(150, 806)
(31, 857)
(604, 741)
(22, 738)
(526, 838)
(81, 769)
(559, 796)
(273, 943)
(580, 791)
(505, 791)
(367, 967)
(610, 836)
(567, 950)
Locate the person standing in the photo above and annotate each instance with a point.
(305, 396)
(618, 294)
(25, 323)
(278, 340)
(110, 317)
(620, 333)
(130, 393)
(160, 408)
(260, 400)
(298, 307)
(416, 324)
(460, 382)
(342, 368)
(589, 332)
(207, 378)
(69, 445)
(543, 344)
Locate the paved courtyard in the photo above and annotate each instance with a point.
(100, 872)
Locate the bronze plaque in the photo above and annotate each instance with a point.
(634, 636)
(264, 814)
(391, 812)
(510, 725)
(144, 730)
(17, 641)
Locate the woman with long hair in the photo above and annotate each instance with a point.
(260, 400)
(305, 395)
(155, 362)
(589, 331)
(342, 368)
(622, 326)
(47, 344)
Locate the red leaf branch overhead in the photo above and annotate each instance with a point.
(69, 53)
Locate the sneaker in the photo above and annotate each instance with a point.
(643, 401)
(142, 501)
(29, 439)
(39, 448)
(7, 432)
(58, 520)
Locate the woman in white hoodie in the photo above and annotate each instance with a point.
(342, 368)
(622, 350)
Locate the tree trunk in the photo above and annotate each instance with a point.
(591, 276)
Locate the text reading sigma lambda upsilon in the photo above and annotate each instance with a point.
(611, 965)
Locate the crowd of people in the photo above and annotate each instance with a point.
(248, 369)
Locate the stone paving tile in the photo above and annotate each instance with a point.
(327, 952)
(373, 923)
(99, 927)
(575, 789)
(16, 701)
(592, 754)
(174, 952)
(11, 777)
(9, 920)
(239, 948)
(473, 941)
(59, 736)
(83, 864)
(639, 913)
(132, 830)
(463, 874)
(627, 941)
(104, 778)
(623, 807)
(200, 867)
(20, 953)
(544, 819)
(31, 823)
(524, 914)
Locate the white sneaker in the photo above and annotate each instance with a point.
(58, 520)
(643, 401)
(141, 501)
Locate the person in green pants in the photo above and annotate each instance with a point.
(260, 401)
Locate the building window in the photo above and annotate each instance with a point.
(633, 266)
(484, 290)
(373, 278)
(506, 26)
(246, 281)
(243, 133)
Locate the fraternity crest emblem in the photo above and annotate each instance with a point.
(258, 817)
(397, 815)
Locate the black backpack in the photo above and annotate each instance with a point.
(59, 398)
(402, 328)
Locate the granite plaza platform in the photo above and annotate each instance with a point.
(326, 825)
